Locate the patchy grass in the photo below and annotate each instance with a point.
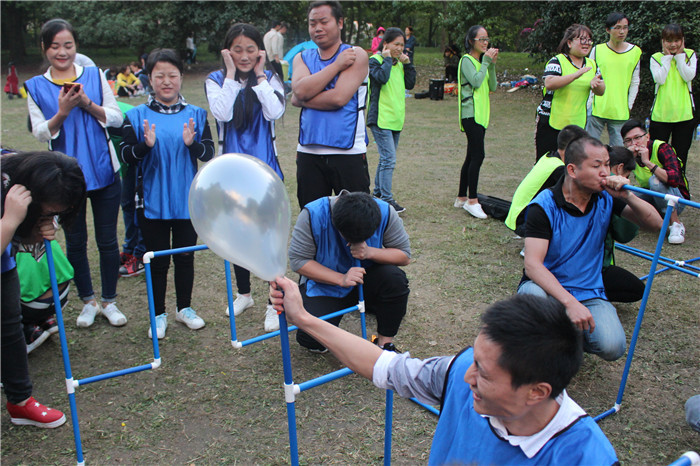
(211, 404)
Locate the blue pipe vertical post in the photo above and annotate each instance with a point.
(229, 297)
(151, 303)
(64, 352)
(388, 425)
(288, 386)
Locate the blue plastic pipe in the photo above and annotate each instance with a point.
(229, 298)
(388, 424)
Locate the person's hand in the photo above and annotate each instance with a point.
(149, 133)
(260, 64)
(360, 250)
(641, 151)
(386, 53)
(228, 62)
(47, 227)
(346, 59)
(285, 297)
(353, 277)
(67, 101)
(84, 99)
(403, 58)
(580, 316)
(16, 204)
(596, 82)
(664, 48)
(188, 133)
(492, 53)
(613, 184)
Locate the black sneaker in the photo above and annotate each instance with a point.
(387, 346)
(50, 325)
(34, 336)
(396, 206)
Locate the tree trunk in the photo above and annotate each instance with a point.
(13, 30)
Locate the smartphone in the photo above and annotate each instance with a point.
(68, 86)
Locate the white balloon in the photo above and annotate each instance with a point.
(240, 209)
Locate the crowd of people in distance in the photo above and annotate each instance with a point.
(503, 399)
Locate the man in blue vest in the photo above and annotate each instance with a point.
(341, 241)
(565, 229)
(329, 84)
(502, 401)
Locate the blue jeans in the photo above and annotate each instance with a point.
(608, 338)
(595, 126)
(657, 186)
(133, 239)
(387, 143)
(692, 412)
(105, 212)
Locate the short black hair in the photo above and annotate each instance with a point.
(356, 216)
(538, 341)
(569, 133)
(576, 150)
(614, 18)
(622, 155)
(571, 33)
(51, 177)
(53, 27)
(630, 125)
(471, 36)
(163, 55)
(390, 35)
(336, 9)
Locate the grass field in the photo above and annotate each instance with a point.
(209, 403)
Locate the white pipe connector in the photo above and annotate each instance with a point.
(289, 391)
(70, 385)
(361, 306)
(671, 200)
(155, 364)
(617, 407)
(693, 457)
(147, 257)
(236, 344)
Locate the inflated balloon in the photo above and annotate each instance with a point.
(240, 209)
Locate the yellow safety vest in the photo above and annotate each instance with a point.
(569, 102)
(673, 102)
(617, 69)
(391, 106)
(643, 173)
(482, 105)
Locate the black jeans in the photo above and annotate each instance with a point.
(545, 137)
(15, 370)
(622, 286)
(156, 236)
(469, 177)
(386, 295)
(322, 175)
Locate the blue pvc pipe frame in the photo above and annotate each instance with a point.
(671, 203)
(689, 458)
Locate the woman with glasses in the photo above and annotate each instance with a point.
(569, 77)
(673, 69)
(619, 62)
(476, 77)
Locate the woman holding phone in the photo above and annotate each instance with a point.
(70, 108)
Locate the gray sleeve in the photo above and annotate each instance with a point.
(395, 235)
(302, 247)
(423, 379)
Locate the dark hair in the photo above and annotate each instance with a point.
(571, 33)
(137, 64)
(410, 28)
(246, 101)
(51, 177)
(471, 36)
(629, 126)
(390, 35)
(275, 23)
(53, 27)
(622, 155)
(614, 18)
(163, 55)
(123, 68)
(576, 150)
(538, 341)
(356, 216)
(672, 31)
(569, 133)
(336, 9)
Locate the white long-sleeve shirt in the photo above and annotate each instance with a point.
(221, 99)
(659, 71)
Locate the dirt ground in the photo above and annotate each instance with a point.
(210, 403)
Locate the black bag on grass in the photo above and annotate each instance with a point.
(494, 207)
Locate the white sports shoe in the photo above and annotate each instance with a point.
(161, 326)
(475, 210)
(272, 322)
(189, 317)
(458, 203)
(241, 303)
(114, 315)
(87, 315)
(676, 233)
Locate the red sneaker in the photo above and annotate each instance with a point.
(35, 414)
(132, 268)
(124, 257)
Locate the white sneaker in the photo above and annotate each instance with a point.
(241, 304)
(87, 315)
(189, 317)
(676, 233)
(475, 210)
(161, 326)
(272, 322)
(459, 204)
(113, 315)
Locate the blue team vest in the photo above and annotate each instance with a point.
(81, 135)
(256, 139)
(575, 253)
(331, 248)
(167, 169)
(463, 436)
(331, 128)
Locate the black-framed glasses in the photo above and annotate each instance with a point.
(585, 40)
(634, 139)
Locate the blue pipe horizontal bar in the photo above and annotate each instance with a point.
(111, 375)
(432, 409)
(628, 248)
(605, 414)
(267, 336)
(659, 195)
(324, 379)
(682, 461)
(170, 252)
(665, 263)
